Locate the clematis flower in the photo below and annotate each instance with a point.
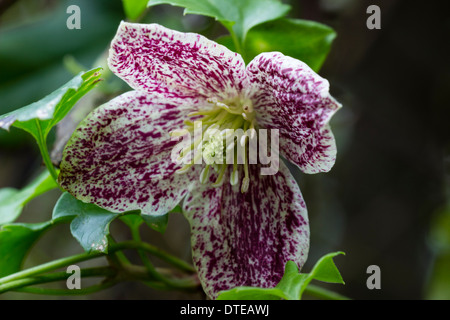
(244, 226)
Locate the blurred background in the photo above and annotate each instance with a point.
(386, 202)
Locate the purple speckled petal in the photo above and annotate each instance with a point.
(152, 58)
(245, 239)
(120, 156)
(289, 96)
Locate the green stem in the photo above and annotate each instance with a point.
(118, 257)
(50, 266)
(155, 251)
(58, 276)
(171, 282)
(236, 43)
(324, 294)
(66, 292)
(56, 264)
(42, 143)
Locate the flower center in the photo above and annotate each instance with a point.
(221, 138)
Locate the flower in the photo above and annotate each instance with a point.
(244, 226)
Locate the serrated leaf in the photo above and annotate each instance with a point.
(134, 8)
(292, 284)
(238, 16)
(12, 200)
(305, 40)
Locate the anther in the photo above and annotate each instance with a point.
(245, 184)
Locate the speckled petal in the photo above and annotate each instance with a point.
(245, 239)
(289, 96)
(120, 156)
(150, 57)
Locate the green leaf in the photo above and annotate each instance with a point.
(16, 239)
(304, 40)
(238, 16)
(12, 200)
(40, 117)
(250, 293)
(326, 271)
(90, 225)
(134, 8)
(133, 221)
(292, 284)
(157, 223)
(15, 242)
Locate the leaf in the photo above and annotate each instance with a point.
(292, 284)
(305, 40)
(326, 271)
(133, 221)
(238, 16)
(134, 8)
(157, 223)
(15, 242)
(12, 200)
(250, 293)
(90, 225)
(39, 117)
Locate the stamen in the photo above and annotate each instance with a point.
(234, 177)
(184, 169)
(219, 180)
(245, 184)
(215, 121)
(204, 175)
(246, 181)
(252, 130)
